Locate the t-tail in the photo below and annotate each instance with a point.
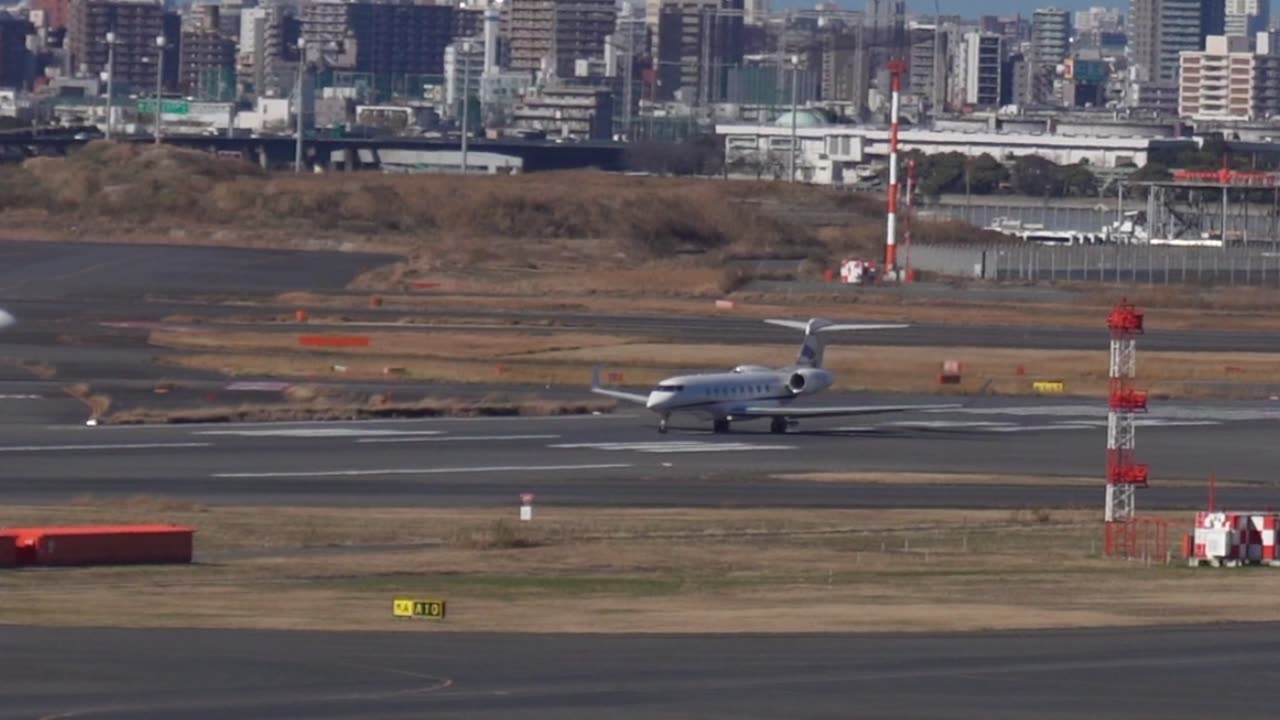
(814, 344)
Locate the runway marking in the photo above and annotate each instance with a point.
(975, 424)
(424, 471)
(372, 421)
(318, 432)
(457, 438)
(21, 397)
(127, 446)
(674, 446)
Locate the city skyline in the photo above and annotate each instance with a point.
(966, 7)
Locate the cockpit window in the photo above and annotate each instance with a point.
(669, 388)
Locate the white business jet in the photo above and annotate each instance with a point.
(751, 392)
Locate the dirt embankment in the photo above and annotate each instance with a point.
(564, 220)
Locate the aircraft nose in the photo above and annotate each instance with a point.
(656, 399)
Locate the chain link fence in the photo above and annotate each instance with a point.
(1145, 264)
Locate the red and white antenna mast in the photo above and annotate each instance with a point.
(896, 68)
(1124, 475)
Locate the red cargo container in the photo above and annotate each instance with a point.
(8, 551)
(103, 545)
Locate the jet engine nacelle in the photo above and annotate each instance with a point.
(5, 319)
(809, 380)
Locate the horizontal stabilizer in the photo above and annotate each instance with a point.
(820, 325)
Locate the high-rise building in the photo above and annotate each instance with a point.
(928, 74)
(463, 72)
(136, 24)
(551, 34)
(1050, 45)
(981, 65)
(756, 12)
(698, 42)
(57, 13)
(1229, 81)
(16, 62)
(846, 68)
(1161, 31)
(208, 61)
(1246, 17)
(1050, 36)
(385, 39)
(1099, 19)
(268, 51)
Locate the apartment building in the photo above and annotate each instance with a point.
(698, 41)
(136, 24)
(1229, 81)
(550, 35)
(16, 62)
(388, 38)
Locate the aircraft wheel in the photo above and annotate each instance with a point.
(662, 425)
(778, 425)
(720, 426)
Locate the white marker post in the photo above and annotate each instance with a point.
(526, 507)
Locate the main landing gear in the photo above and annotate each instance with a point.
(720, 425)
(778, 425)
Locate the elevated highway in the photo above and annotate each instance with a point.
(277, 151)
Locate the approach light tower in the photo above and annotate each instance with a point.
(1124, 476)
(896, 68)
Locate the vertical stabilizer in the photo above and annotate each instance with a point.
(812, 348)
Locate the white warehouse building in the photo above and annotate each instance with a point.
(832, 154)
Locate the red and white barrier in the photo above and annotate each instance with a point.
(1233, 539)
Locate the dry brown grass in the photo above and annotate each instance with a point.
(561, 219)
(384, 406)
(384, 342)
(567, 358)
(608, 570)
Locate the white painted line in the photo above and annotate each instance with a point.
(21, 397)
(453, 438)
(1039, 428)
(372, 421)
(425, 471)
(719, 448)
(689, 446)
(318, 432)
(974, 424)
(134, 446)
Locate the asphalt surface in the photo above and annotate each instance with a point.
(1159, 672)
(620, 460)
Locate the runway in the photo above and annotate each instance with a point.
(1159, 672)
(620, 460)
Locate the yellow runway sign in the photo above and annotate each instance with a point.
(410, 608)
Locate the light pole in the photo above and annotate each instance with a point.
(466, 91)
(111, 78)
(795, 82)
(159, 80)
(297, 99)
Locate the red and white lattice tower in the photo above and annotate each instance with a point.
(896, 69)
(1124, 475)
(910, 219)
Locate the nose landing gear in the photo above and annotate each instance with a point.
(662, 424)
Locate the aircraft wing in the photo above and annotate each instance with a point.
(811, 412)
(629, 397)
(618, 394)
